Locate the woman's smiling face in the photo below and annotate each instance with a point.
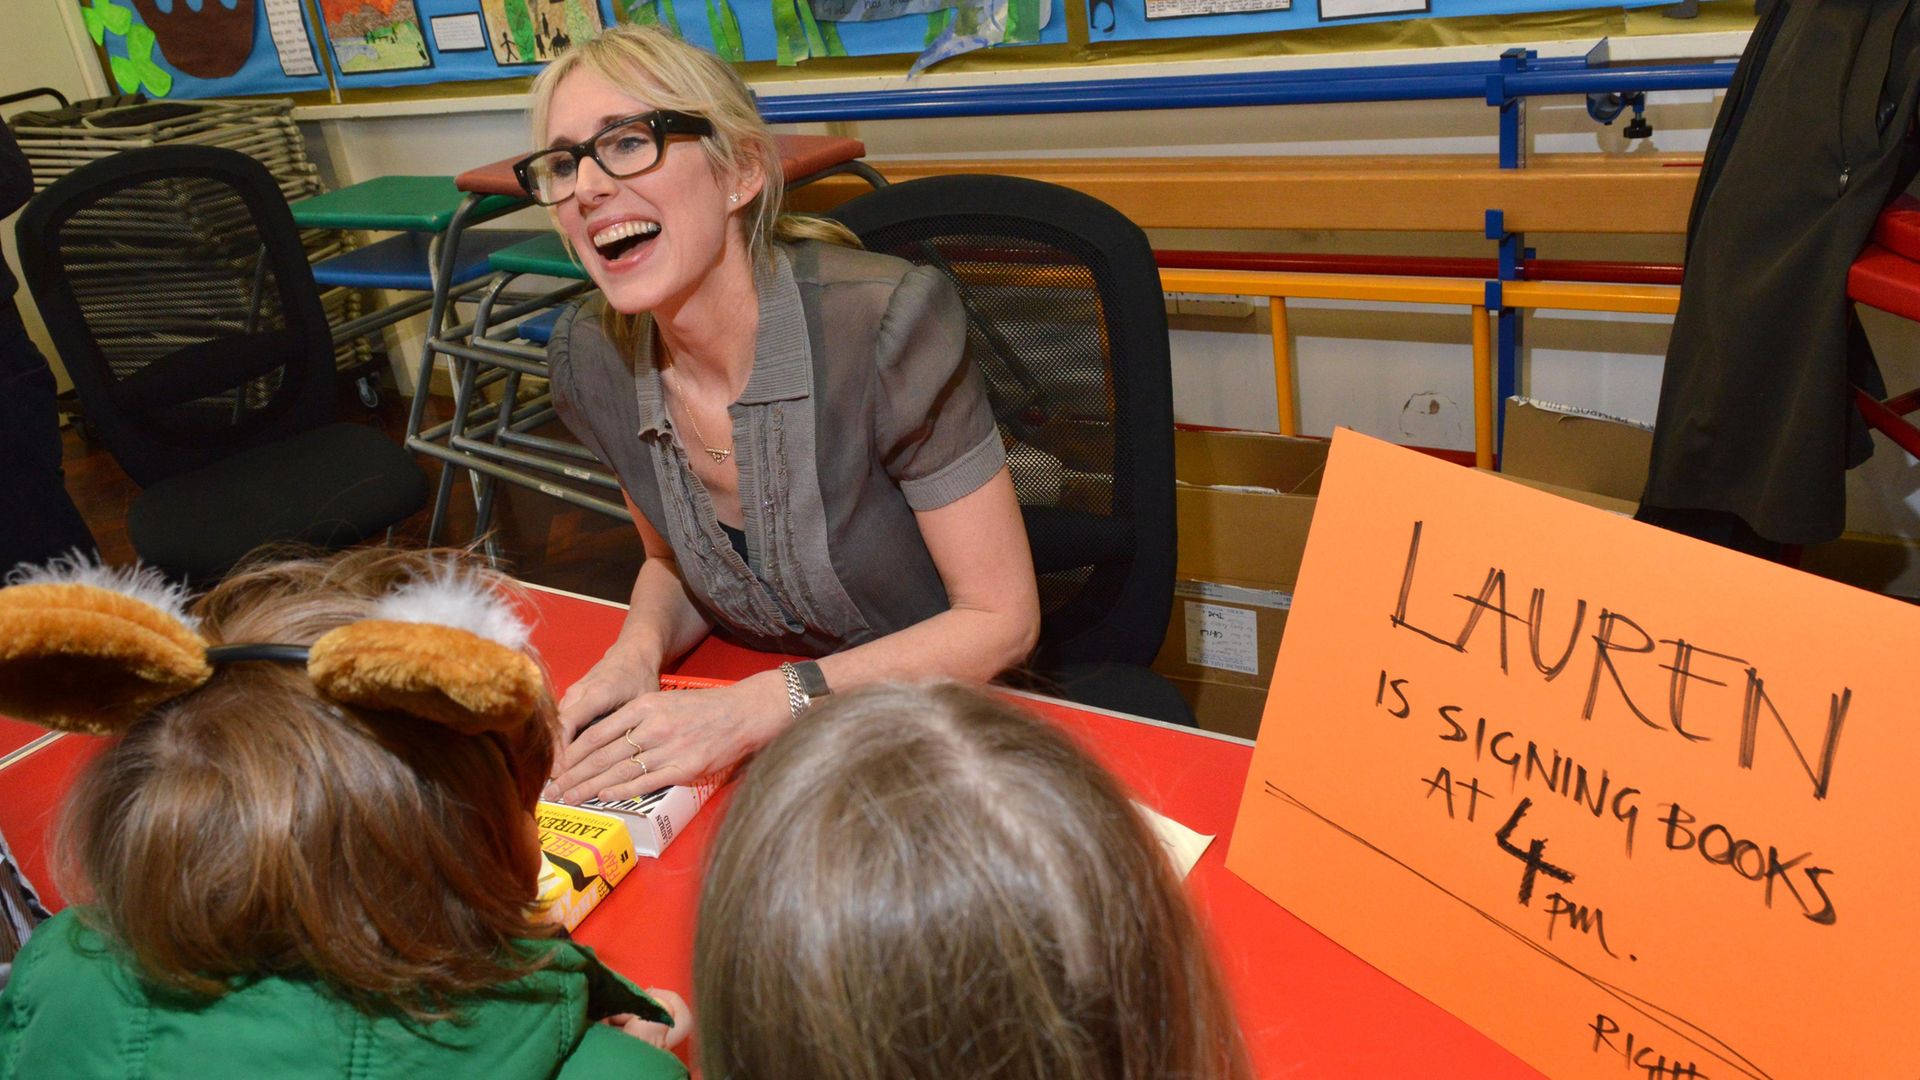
(649, 241)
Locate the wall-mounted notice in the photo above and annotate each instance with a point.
(1173, 9)
(458, 33)
(290, 39)
(1359, 9)
(1630, 804)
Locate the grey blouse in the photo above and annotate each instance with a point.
(862, 408)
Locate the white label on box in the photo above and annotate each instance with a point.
(1223, 637)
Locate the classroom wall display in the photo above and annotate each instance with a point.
(1630, 804)
(206, 48)
(535, 31)
(214, 48)
(374, 35)
(1143, 20)
(792, 31)
(418, 42)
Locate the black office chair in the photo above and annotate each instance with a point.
(1066, 320)
(174, 286)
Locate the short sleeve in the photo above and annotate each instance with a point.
(934, 430)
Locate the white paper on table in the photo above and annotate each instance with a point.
(1184, 846)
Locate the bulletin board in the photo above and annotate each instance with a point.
(416, 42)
(206, 48)
(227, 48)
(1148, 20)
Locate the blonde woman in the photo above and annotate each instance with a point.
(811, 459)
(969, 895)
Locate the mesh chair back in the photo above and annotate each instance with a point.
(176, 290)
(1067, 323)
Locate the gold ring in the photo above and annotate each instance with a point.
(640, 761)
(629, 738)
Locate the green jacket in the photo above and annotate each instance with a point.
(74, 1008)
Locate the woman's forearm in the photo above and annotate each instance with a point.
(968, 643)
(662, 622)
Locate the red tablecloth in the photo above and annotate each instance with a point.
(1309, 1007)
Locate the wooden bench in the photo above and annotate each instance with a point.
(1555, 193)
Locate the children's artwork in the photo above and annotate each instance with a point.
(1620, 799)
(874, 10)
(536, 31)
(234, 47)
(213, 48)
(208, 41)
(1140, 20)
(375, 35)
(469, 39)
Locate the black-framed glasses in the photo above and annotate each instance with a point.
(625, 148)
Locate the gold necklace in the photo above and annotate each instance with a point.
(719, 456)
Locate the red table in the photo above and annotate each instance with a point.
(1309, 1007)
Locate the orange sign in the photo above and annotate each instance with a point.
(1633, 805)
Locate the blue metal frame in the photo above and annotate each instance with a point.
(1509, 323)
(1503, 84)
(1318, 86)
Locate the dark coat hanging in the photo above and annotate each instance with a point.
(1756, 426)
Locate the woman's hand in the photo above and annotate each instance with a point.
(613, 682)
(664, 1036)
(670, 737)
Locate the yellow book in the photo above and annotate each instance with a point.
(587, 853)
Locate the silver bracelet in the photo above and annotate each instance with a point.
(797, 698)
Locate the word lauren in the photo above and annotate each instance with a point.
(1619, 642)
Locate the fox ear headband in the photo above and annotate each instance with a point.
(90, 649)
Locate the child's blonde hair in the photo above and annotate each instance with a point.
(925, 881)
(254, 828)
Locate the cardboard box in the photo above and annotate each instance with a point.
(1244, 502)
(1889, 565)
(1602, 461)
(1575, 450)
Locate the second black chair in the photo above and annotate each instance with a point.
(174, 285)
(1067, 322)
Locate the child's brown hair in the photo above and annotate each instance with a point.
(928, 882)
(254, 827)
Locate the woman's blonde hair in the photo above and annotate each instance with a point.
(671, 74)
(254, 828)
(924, 881)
